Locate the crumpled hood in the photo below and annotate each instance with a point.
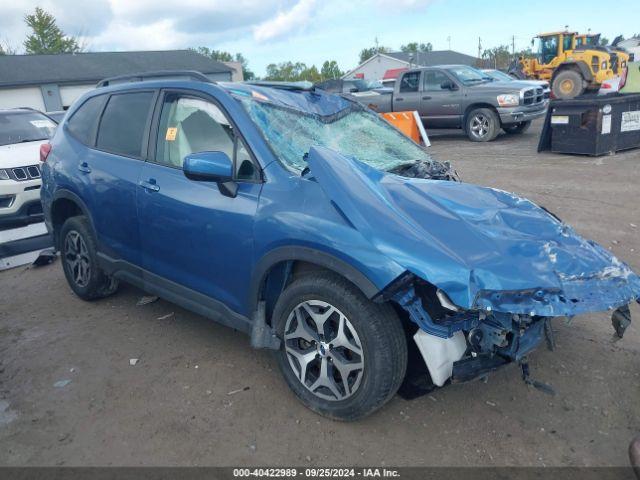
(485, 248)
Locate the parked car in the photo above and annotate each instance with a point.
(22, 131)
(308, 222)
(57, 116)
(500, 76)
(610, 86)
(349, 86)
(458, 96)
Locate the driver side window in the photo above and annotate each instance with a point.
(189, 125)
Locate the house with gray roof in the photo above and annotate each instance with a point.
(375, 67)
(52, 82)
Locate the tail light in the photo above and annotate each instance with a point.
(623, 78)
(45, 149)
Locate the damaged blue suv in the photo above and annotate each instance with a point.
(306, 221)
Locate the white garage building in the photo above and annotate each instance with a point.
(52, 82)
(376, 67)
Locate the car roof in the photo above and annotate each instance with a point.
(305, 100)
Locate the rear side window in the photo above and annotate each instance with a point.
(410, 82)
(84, 121)
(123, 123)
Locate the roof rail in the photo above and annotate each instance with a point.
(303, 85)
(153, 75)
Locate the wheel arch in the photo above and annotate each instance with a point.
(66, 204)
(475, 106)
(276, 269)
(579, 66)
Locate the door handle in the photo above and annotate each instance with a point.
(399, 99)
(84, 167)
(150, 185)
(426, 98)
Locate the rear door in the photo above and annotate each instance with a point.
(112, 171)
(440, 106)
(192, 234)
(408, 96)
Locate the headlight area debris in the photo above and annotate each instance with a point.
(460, 345)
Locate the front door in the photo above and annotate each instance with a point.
(191, 233)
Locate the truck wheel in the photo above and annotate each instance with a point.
(482, 125)
(80, 262)
(343, 355)
(568, 84)
(517, 128)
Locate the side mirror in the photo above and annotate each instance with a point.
(448, 85)
(353, 89)
(211, 167)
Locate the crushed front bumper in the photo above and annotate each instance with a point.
(463, 344)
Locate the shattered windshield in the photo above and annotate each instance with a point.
(358, 133)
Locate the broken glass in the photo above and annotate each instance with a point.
(356, 133)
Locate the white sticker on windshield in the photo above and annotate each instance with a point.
(606, 124)
(630, 121)
(41, 123)
(560, 119)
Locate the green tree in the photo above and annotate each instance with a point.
(285, 71)
(222, 56)
(497, 57)
(330, 69)
(604, 41)
(300, 71)
(414, 47)
(367, 53)
(46, 36)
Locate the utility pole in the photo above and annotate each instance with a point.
(513, 45)
(479, 49)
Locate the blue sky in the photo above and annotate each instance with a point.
(268, 31)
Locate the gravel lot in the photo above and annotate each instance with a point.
(175, 408)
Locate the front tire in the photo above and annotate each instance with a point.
(80, 261)
(342, 355)
(482, 125)
(568, 84)
(517, 128)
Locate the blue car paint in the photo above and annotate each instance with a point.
(208, 165)
(484, 248)
(481, 246)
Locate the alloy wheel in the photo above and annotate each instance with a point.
(76, 256)
(324, 350)
(480, 124)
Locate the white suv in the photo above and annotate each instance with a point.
(22, 131)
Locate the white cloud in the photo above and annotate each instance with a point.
(286, 22)
(127, 36)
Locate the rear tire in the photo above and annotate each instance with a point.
(517, 128)
(482, 125)
(355, 364)
(568, 84)
(80, 261)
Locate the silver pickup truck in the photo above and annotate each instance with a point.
(458, 96)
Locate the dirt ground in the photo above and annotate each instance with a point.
(176, 406)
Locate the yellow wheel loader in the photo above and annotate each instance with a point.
(570, 70)
(619, 56)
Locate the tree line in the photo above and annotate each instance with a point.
(46, 37)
